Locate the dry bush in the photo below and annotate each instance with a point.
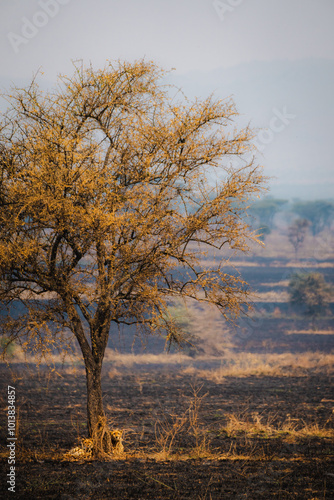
(173, 427)
(166, 432)
(210, 330)
(202, 445)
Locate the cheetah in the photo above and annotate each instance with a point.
(85, 451)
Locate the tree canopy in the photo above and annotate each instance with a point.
(107, 205)
(319, 213)
(264, 212)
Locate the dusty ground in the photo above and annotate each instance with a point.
(229, 460)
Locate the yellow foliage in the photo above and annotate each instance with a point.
(105, 191)
(107, 204)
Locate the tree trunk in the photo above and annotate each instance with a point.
(97, 424)
(94, 397)
(93, 357)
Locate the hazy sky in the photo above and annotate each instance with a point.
(185, 34)
(200, 36)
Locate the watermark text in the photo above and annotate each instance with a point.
(11, 413)
(31, 27)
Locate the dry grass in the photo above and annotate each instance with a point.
(277, 245)
(246, 364)
(182, 435)
(291, 429)
(309, 332)
(271, 296)
(232, 364)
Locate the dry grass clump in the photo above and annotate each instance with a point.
(255, 425)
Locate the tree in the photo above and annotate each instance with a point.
(297, 232)
(310, 293)
(319, 213)
(264, 211)
(106, 209)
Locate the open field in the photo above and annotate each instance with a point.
(247, 412)
(186, 434)
(273, 326)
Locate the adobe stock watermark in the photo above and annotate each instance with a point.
(224, 8)
(31, 27)
(11, 415)
(279, 121)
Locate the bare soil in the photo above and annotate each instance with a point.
(51, 417)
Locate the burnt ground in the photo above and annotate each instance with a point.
(237, 465)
